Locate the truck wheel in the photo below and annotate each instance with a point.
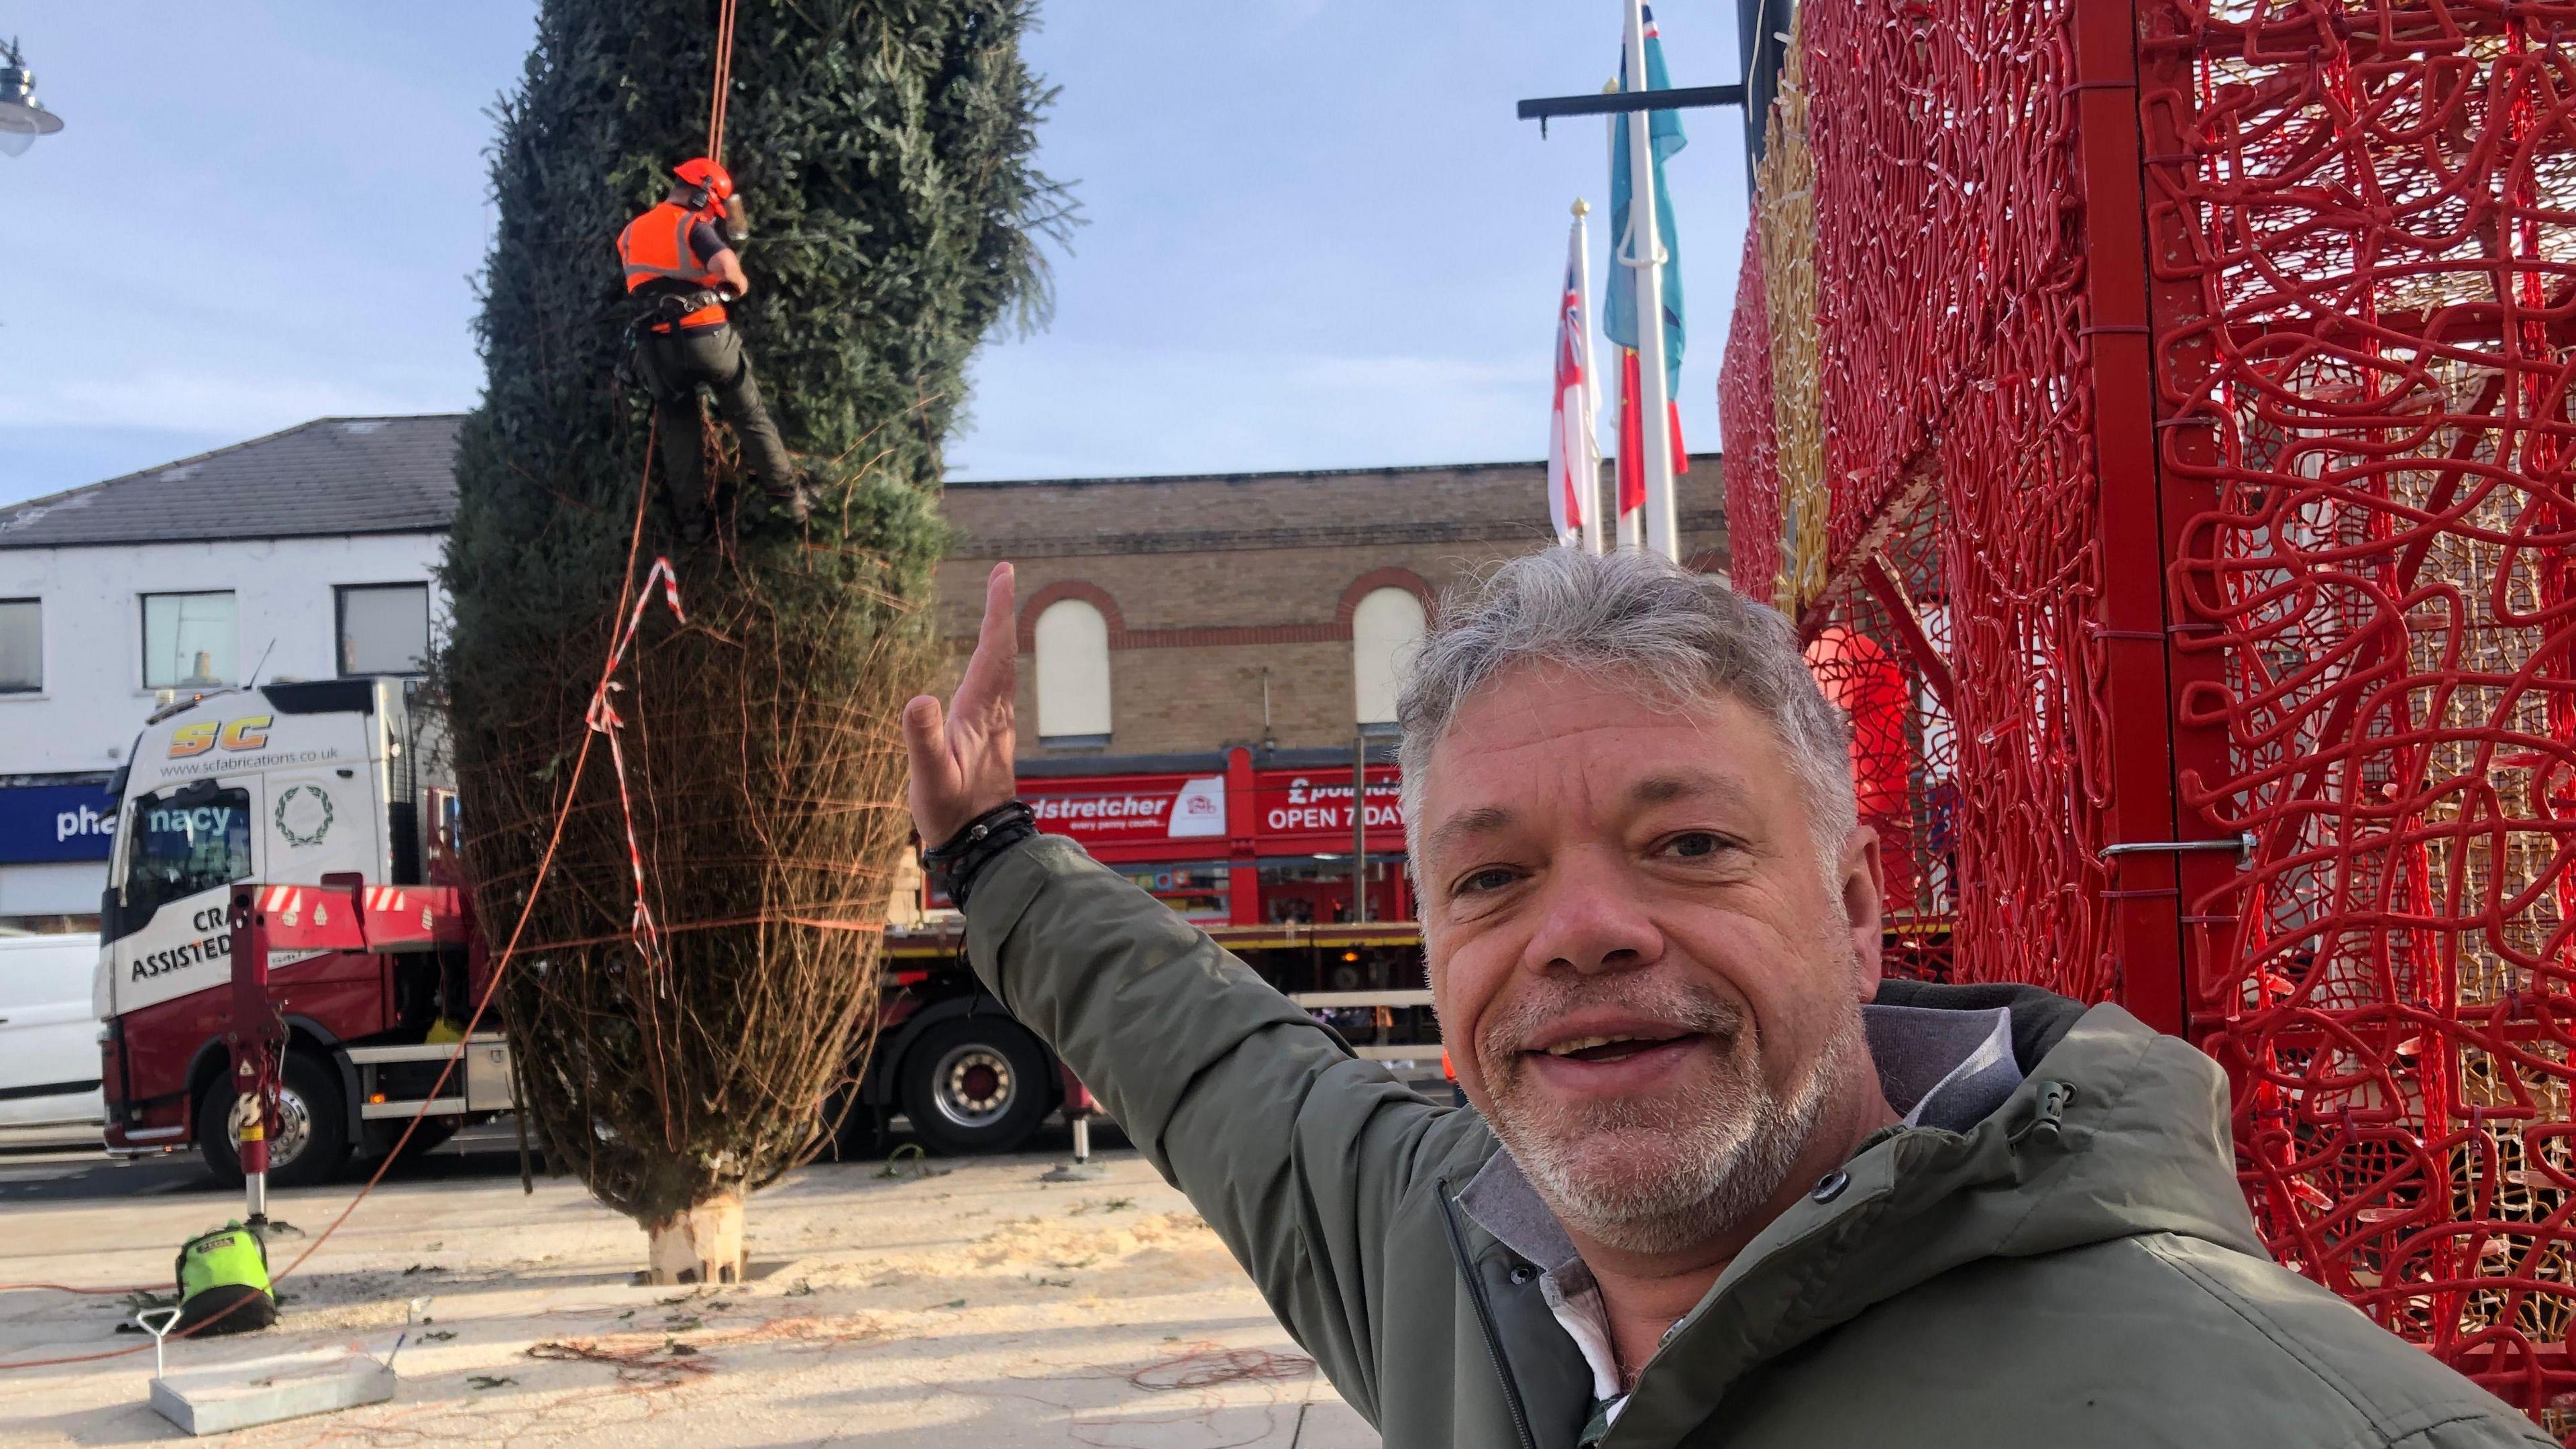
(313, 1134)
(976, 1084)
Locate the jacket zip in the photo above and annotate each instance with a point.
(1484, 1314)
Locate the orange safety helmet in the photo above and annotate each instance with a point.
(713, 183)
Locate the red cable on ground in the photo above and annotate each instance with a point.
(500, 966)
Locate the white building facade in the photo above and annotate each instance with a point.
(309, 554)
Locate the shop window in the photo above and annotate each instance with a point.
(1316, 890)
(1385, 629)
(384, 629)
(1073, 676)
(189, 641)
(22, 646)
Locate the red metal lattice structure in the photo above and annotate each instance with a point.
(2195, 394)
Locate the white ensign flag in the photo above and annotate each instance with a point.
(1573, 453)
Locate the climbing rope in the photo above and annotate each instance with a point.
(723, 81)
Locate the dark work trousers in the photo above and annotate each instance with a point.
(674, 364)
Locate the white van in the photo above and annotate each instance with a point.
(49, 1056)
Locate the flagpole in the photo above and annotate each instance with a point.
(1627, 529)
(1591, 463)
(1643, 250)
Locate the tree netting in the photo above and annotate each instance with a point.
(701, 966)
(2261, 718)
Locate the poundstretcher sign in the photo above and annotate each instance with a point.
(1145, 810)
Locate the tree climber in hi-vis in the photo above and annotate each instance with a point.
(680, 261)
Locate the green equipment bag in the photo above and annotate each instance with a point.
(223, 1283)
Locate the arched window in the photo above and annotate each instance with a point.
(1073, 674)
(1385, 628)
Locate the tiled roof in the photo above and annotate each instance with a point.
(326, 477)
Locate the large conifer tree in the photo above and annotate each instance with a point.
(884, 148)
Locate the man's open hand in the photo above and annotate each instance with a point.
(962, 764)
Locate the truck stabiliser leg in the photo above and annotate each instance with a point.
(255, 1029)
(1079, 1104)
(254, 1160)
(1081, 1168)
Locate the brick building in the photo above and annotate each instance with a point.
(1208, 586)
(1200, 655)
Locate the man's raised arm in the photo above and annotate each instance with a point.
(1293, 1150)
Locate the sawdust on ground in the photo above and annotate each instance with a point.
(970, 1304)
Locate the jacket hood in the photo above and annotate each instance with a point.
(2116, 1131)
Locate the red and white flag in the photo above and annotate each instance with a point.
(1632, 451)
(1573, 456)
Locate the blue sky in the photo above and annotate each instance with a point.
(1317, 236)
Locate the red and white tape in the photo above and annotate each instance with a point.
(604, 718)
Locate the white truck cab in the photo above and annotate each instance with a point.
(287, 782)
(330, 783)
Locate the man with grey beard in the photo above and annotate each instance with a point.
(1719, 1184)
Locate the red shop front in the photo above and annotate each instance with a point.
(1241, 842)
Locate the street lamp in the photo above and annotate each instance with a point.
(21, 119)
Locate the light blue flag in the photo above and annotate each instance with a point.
(1619, 317)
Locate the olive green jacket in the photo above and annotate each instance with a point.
(2077, 1268)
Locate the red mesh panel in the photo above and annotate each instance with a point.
(1957, 408)
(1940, 135)
(2362, 224)
(2364, 214)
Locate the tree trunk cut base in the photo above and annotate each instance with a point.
(702, 1244)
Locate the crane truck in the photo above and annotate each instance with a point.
(339, 795)
(333, 784)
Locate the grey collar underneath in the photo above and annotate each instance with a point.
(1944, 1069)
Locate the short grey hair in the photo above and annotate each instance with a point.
(1685, 638)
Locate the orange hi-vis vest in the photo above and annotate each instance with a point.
(655, 248)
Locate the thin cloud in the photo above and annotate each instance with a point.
(202, 402)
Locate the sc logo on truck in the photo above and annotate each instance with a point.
(250, 732)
